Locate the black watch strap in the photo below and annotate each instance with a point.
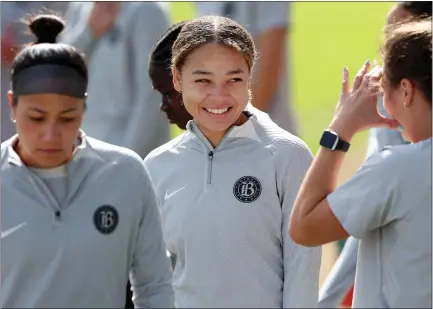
(332, 141)
(342, 145)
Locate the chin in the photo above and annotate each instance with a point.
(407, 136)
(181, 126)
(51, 161)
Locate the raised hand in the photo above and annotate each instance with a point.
(103, 16)
(357, 108)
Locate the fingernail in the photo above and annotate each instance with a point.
(367, 62)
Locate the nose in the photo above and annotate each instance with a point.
(164, 106)
(51, 132)
(221, 92)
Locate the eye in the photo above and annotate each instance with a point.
(36, 119)
(236, 79)
(202, 81)
(67, 120)
(169, 95)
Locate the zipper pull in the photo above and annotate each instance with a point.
(210, 155)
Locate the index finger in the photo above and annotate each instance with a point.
(360, 75)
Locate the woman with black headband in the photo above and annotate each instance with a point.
(78, 215)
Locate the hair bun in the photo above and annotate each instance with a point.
(46, 28)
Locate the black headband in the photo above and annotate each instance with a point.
(50, 78)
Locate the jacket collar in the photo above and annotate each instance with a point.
(246, 130)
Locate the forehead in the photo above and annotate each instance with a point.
(216, 57)
(49, 102)
(160, 76)
(159, 72)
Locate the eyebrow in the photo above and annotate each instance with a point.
(45, 112)
(200, 72)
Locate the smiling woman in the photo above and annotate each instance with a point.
(227, 185)
(212, 71)
(53, 224)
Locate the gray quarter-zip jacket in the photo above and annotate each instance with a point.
(225, 214)
(78, 253)
(342, 275)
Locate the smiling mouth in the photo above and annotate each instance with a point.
(217, 111)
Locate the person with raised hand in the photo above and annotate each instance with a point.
(387, 203)
(338, 286)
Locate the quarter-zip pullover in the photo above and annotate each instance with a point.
(225, 212)
(75, 248)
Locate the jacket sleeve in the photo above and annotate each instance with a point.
(77, 32)
(151, 21)
(151, 273)
(341, 277)
(301, 264)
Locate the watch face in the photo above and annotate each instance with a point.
(329, 140)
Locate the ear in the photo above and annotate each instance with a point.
(176, 80)
(11, 104)
(407, 91)
(85, 101)
(11, 99)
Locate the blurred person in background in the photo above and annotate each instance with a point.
(387, 204)
(13, 36)
(338, 286)
(269, 24)
(226, 186)
(162, 80)
(117, 38)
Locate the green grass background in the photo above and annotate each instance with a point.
(324, 37)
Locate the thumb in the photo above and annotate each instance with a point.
(387, 123)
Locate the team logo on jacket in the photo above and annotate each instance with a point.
(106, 219)
(247, 189)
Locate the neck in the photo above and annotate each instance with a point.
(422, 127)
(215, 137)
(423, 132)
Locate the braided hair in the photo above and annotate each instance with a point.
(161, 52)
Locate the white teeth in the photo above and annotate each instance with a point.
(217, 111)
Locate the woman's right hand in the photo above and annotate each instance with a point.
(9, 49)
(357, 108)
(103, 16)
